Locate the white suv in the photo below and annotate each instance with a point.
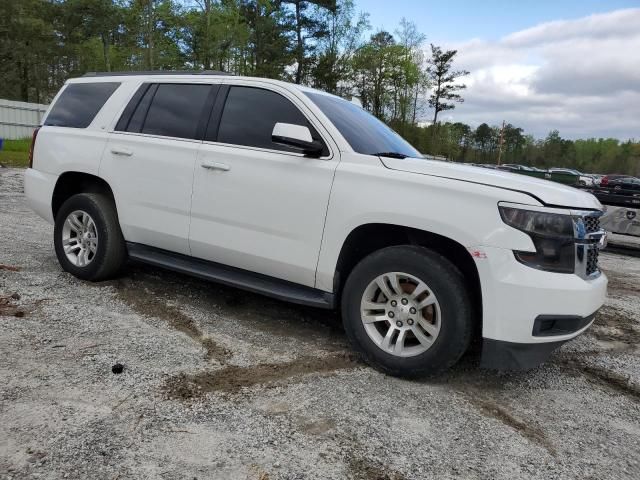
(303, 196)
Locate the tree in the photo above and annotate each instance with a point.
(153, 33)
(514, 142)
(318, 42)
(204, 31)
(411, 81)
(308, 24)
(553, 149)
(27, 48)
(99, 19)
(372, 66)
(216, 35)
(482, 137)
(443, 80)
(333, 69)
(268, 52)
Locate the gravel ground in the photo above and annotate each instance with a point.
(219, 383)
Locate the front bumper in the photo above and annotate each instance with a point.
(514, 296)
(502, 355)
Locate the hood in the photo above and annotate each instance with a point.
(548, 192)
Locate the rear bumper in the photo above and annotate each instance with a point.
(38, 190)
(503, 355)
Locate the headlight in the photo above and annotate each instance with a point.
(552, 235)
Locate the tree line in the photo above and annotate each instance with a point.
(325, 44)
(459, 142)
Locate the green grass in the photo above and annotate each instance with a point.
(14, 159)
(20, 145)
(15, 153)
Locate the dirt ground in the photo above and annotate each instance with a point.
(219, 383)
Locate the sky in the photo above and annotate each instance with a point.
(541, 65)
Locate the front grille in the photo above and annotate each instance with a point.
(587, 252)
(591, 223)
(592, 261)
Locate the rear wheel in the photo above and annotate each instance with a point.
(408, 311)
(87, 237)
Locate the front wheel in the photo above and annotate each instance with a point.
(87, 237)
(408, 311)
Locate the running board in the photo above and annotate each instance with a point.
(235, 277)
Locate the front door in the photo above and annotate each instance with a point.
(257, 205)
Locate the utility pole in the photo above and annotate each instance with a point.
(500, 142)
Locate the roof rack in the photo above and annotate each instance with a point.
(156, 72)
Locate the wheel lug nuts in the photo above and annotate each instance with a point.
(399, 323)
(391, 314)
(412, 310)
(393, 303)
(404, 301)
(410, 321)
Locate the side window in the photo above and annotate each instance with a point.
(79, 103)
(136, 119)
(168, 109)
(250, 114)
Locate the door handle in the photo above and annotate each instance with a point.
(215, 166)
(122, 151)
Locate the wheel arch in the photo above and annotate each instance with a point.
(72, 182)
(368, 238)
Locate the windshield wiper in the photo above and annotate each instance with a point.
(391, 155)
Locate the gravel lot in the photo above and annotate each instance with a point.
(219, 383)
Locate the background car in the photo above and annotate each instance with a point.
(597, 178)
(583, 178)
(513, 167)
(625, 185)
(604, 181)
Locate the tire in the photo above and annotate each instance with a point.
(107, 255)
(449, 314)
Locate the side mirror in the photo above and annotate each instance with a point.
(297, 137)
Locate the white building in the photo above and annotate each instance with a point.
(18, 119)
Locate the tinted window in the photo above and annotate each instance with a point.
(364, 132)
(250, 114)
(175, 110)
(125, 118)
(135, 120)
(79, 103)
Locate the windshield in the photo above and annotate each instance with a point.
(364, 132)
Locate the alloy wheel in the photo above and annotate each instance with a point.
(80, 238)
(400, 314)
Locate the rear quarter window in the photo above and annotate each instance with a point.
(79, 103)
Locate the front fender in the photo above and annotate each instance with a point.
(365, 192)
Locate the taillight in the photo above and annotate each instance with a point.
(33, 146)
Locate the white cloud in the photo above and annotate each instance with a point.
(616, 24)
(580, 76)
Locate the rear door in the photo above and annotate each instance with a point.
(149, 161)
(257, 205)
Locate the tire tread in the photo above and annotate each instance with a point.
(111, 240)
(413, 255)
